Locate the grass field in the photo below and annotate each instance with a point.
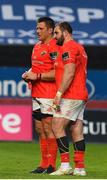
(18, 158)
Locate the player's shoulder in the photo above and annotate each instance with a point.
(77, 45)
(71, 45)
(74, 43)
(38, 43)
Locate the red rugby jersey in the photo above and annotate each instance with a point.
(43, 58)
(73, 52)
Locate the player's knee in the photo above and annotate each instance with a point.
(47, 123)
(58, 131)
(76, 131)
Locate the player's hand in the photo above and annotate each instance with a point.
(56, 101)
(56, 105)
(24, 75)
(29, 76)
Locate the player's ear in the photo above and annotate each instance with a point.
(65, 33)
(50, 30)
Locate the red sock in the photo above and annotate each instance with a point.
(44, 153)
(65, 157)
(79, 159)
(52, 151)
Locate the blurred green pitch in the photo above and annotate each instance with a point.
(18, 158)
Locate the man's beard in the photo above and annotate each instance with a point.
(60, 41)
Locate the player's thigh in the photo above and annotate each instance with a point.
(37, 116)
(47, 121)
(59, 124)
(47, 114)
(38, 125)
(77, 125)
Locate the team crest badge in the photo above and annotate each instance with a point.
(43, 53)
(53, 55)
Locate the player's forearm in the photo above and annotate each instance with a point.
(48, 76)
(68, 76)
(65, 83)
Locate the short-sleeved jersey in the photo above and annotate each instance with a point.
(73, 52)
(43, 58)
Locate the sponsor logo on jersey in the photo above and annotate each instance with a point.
(53, 55)
(65, 56)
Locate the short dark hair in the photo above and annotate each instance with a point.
(48, 21)
(65, 26)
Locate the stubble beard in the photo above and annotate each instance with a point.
(60, 41)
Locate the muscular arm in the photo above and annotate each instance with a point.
(49, 76)
(68, 76)
(31, 76)
(69, 71)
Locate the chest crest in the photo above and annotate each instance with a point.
(43, 53)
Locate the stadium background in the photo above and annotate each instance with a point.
(17, 37)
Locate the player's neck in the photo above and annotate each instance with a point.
(68, 38)
(47, 39)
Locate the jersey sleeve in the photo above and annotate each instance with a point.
(69, 55)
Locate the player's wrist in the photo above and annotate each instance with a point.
(59, 94)
(39, 76)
